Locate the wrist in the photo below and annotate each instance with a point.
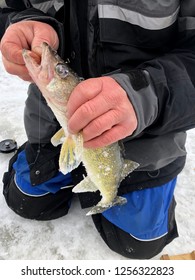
(141, 93)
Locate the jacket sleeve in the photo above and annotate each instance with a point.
(21, 12)
(162, 90)
(6, 9)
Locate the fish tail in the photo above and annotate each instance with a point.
(101, 207)
(70, 154)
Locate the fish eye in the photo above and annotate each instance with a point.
(61, 70)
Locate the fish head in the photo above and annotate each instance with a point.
(52, 75)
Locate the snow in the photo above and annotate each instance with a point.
(73, 237)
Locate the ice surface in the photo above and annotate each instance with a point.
(74, 236)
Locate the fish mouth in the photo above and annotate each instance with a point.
(47, 62)
(44, 68)
(47, 49)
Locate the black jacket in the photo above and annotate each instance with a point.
(149, 48)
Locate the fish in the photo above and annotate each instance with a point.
(105, 167)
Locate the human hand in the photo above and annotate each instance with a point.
(100, 108)
(28, 35)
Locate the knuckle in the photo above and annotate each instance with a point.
(128, 128)
(87, 110)
(133, 122)
(25, 78)
(97, 126)
(90, 87)
(9, 68)
(82, 87)
(134, 125)
(116, 116)
(125, 131)
(114, 98)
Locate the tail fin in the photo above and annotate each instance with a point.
(101, 207)
(70, 154)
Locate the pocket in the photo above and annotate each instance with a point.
(135, 32)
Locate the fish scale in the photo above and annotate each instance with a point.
(105, 167)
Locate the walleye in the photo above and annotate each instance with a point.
(105, 167)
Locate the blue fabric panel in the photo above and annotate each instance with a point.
(22, 178)
(145, 215)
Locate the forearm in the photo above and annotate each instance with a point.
(174, 81)
(167, 104)
(174, 87)
(6, 9)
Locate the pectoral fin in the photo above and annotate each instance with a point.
(58, 138)
(70, 154)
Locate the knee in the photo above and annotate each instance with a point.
(126, 245)
(43, 207)
(136, 249)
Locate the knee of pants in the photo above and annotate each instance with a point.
(124, 244)
(46, 207)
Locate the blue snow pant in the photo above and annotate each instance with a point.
(140, 229)
(35, 189)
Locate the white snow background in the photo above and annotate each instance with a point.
(73, 237)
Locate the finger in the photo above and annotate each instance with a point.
(101, 124)
(108, 137)
(44, 33)
(88, 112)
(19, 70)
(37, 50)
(28, 35)
(14, 55)
(36, 56)
(82, 93)
(26, 78)
(14, 69)
(12, 52)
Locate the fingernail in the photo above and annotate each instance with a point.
(36, 57)
(37, 50)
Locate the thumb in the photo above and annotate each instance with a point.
(44, 33)
(37, 50)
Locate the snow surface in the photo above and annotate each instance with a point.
(74, 236)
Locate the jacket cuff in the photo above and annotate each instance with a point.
(139, 88)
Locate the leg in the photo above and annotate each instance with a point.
(33, 186)
(39, 121)
(48, 200)
(128, 245)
